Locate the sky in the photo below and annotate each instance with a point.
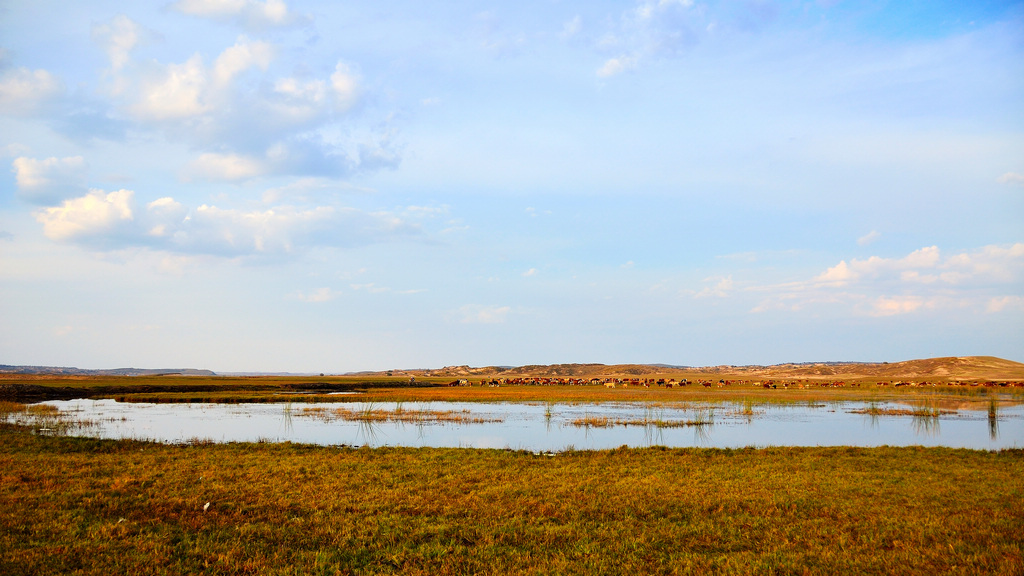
(309, 186)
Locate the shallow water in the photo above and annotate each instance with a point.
(549, 427)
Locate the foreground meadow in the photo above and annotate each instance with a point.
(84, 506)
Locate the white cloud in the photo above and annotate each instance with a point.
(250, 13)
(162, 92)
(95, 214)
(838, 274)
(278, 230)
(927, 280)
(1011, 178)
(166, 204)
(51, 180)
(239, 58)
(1005, 303)
(875, 266)
(653, 30)
(24, 91)
(615, 66)
(572, 28)
(530, 272)
(174, 92)
(298, 102)
(318, 295)
(869, 238)
(345, 85)
(295, 120)
(994, 263)
(721, 289)
(310, 189)
(923, 258)
(915, 276)
(226, 167)
(290, 118)
(14, 149)
(475, 314)
(372, 288)
(238, 231)
(211, 8)
(165, 214)
(648, 10)
(118, 38)
(884, 306)
(108, 221)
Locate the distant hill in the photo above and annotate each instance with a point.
(948, 368)
(67, 371)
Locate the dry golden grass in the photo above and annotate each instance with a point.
(80, 506)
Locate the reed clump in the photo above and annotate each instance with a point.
(918, 412)
(370, 413)
(702, 417)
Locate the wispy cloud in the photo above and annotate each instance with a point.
(869, 238)
(240, 129)
(51, 180)
(252, 14)
(720, 289)
(616, 66)
(477, 314)
(318, 295)
(373, 288)
(111, 221)
(1013, 178)
(24, 92)
(921, 280)
(1005, 303)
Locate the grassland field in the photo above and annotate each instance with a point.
(86, 506)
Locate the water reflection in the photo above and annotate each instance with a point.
(368, 432)
(553, 427)
(653, 435)
(993, 419)
(702, 434)
(286, 418)
(925, 423)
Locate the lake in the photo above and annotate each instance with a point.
(556, 426)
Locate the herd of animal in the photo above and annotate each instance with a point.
(672, 383)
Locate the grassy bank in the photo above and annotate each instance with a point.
(234, 389)
(72, 505)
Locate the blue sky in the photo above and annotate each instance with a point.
(250, 185)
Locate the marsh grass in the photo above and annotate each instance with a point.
(746, 409)
(371, 413)
(926, 423)
(9, 409)
(86, 506)
(919, 412)
(653, 418)
(43, 418)
(549, 412)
